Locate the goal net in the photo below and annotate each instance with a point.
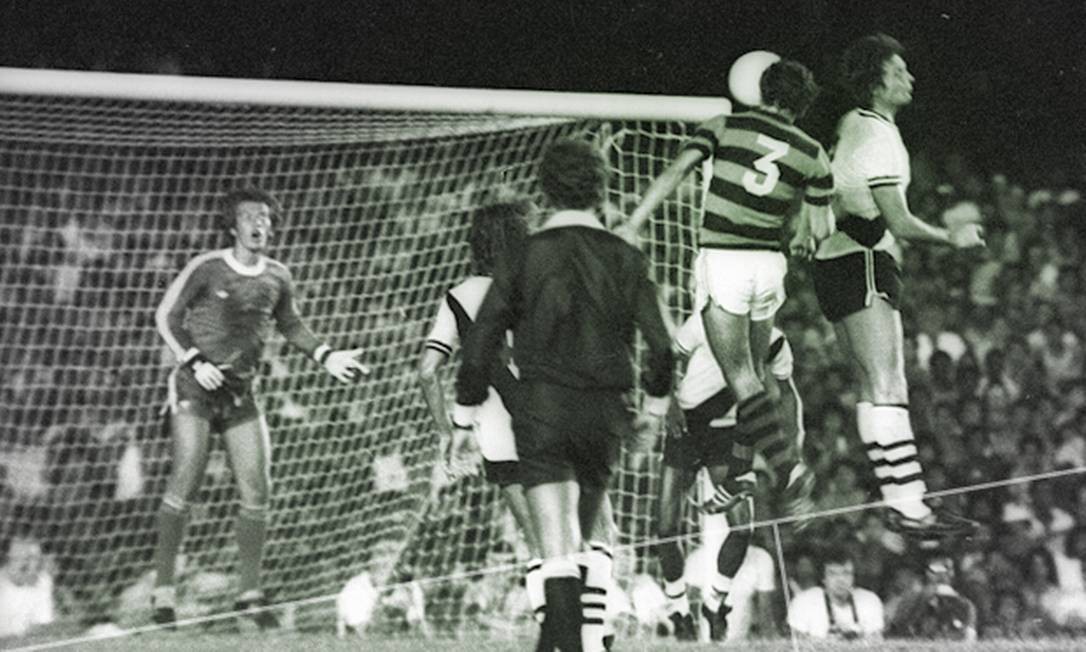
(108, 186)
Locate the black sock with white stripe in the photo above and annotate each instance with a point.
(597, 563)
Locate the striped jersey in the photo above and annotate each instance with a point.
(763, 168)
(869, 153)
(228, 311)
(703, 378)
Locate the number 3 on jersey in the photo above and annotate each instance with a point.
(760, 187)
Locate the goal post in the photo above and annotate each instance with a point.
(108, 185)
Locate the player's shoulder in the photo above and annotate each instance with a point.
(864, 123)
(277, 268)
(475, 286)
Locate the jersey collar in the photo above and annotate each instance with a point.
(868, 113)
(572, 218)
(244, 270)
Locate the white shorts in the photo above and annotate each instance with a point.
(494, 430)
(741, 282)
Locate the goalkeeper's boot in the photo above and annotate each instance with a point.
(716, 621)
(164, 607)
(255, 607)
(725, 497)
(939, 524)
(682, 626)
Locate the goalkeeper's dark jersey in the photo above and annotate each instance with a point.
(573, 298)
(228, 311)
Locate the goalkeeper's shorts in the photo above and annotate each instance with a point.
(566, 434)
(224, 408)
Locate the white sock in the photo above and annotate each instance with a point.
(718, 591)
(677, 600)
(904, 483)
(533, 584)
(597, 564)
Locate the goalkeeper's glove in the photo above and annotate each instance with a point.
(207, 375)
(342, 365)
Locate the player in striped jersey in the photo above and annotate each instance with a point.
(496, 230)
(858, 281)
(707, 438)
(764, 171)
(216, 317)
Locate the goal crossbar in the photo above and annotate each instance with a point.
(375, 97)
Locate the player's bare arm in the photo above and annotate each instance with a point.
(660, 189)
(906, 226)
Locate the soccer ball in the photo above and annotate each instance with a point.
(746, 74)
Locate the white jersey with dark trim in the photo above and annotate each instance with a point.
(703, 377)
(869, 153)
(446, 332)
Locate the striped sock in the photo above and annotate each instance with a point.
(533, 585)
(904, 481)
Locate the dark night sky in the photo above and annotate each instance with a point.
(1004, 79)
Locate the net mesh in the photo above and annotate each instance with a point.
(104, 202)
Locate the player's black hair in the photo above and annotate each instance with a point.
(573, 175)
(228, 205)
(497, 229)
(862, 62)
(789, 85)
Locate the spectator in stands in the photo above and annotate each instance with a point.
(877, 551)
(936, 610)
(837, 609)
(26, 588)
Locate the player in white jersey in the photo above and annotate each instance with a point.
(708, 438)
(857, 276)
(496, 230)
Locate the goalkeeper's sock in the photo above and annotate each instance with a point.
(562, 588)
(903, 485)
(533, 585)
(171, 529)
(250, 529)
(596, 566)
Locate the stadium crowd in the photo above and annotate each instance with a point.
(997, 370)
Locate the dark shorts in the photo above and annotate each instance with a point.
(566, 434)
(226, 407)
(851, 282)
(702, 445)
(502, 473)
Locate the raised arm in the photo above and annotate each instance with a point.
(661, 188)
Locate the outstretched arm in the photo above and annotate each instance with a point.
(661, 188)
(342, 365)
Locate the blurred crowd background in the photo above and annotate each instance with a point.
(91, 235)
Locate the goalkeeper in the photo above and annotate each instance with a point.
(216, 317)
(709, 439)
